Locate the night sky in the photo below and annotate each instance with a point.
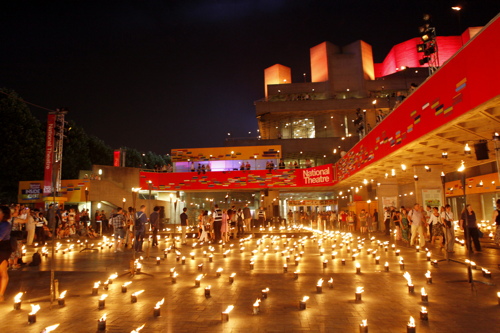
(156, 75)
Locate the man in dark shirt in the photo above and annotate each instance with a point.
(247, 215)
(140, 228)
(184, 223)
(154, 220)
(217, 215)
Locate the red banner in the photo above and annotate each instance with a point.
(317, 176)
(116, 158)
(49, 154)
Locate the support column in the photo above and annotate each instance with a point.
(269, 199)
(428, 187)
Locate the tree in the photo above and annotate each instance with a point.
(22, 145)
(76, 154)
(99, 152)
(133, 158)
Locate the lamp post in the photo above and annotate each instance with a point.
(461, 169)
(443, 184)
(86, 197)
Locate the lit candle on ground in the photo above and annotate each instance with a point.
(386, 266)
(325, 263)
(285, 268)
(424, 296)
(17, 301)
(200, 267)
(417, 248)
(225, 313)
(112, 277)
(138, 267)
(102, 301)
(473, 265)
(358, 268)
(158, 260)
(210, 257)
(138, 329)
(207, 291)
(354, 256)
(125, 285)
(183, 260)
(156, 309)
(411, 287)
(397, 252)
(198, 280)
(334, 253)
(296, 274)
(251, 264)
(297, 261)
(231, 277)
(302, 303)
(428, 277)
(429, 256)
(106, 285)
(60, 299)
(174, 277)
(50, 328)
(218, 272)
(401, 264)
(133, 297)
(423, 314)
(435, 263)
(95, 288)
(101, 323)
(192, 255)
(359, 292)
(330, 283)
(265, 293)
(363, 327)
(343, 262)
(486, 273)
(32, 314)
(410, 328)
(256, 307)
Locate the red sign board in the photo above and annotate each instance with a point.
(116, 158)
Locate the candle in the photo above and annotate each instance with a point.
(401, 265)
(334, 253)
(285, 268)
(319, 286)
(106, 285)
(207, 291)
(473, 265)
(210, 257)
(61, 300)
(138, 329)
(124, 286)
(435, 263)
(32, 314)
(410, 328)
(17, 301)
(297, 261)
(256, 307)
(192, 255)
(429, 256)
(218, 272)
(101, 323)
(158, 260)
(330, 283)
(102, 301)
(386, 266)
(231, 277)
(112, 277)
(156, 309)
(302, 303)
(264, 293)
(343, 262)
(417, 248)
(296, 274)
(486, 273)
(325, 263)
(198, 280)
(50, 328)
(424, 314)
(363, 327)
(358, 268)
(183, 260)
(200, 267)
(133, 297)
(359, 291)
(397, 252)
(354, 256)
(225, 313)
(95, 288)
(424, 296)
(174, 277)
(428, 277)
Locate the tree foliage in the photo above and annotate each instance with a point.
(22, 145)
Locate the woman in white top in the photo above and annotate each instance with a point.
(437, 226)
(449, 231)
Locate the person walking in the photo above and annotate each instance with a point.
(387, 220)
(405, 226)
(217, 223)
(118, 223)
(5, 249)
(417, 219)
(140, 228)
(154, 221)
(239, 223)
(436, 226)
(261, 214)
(247, 216)
(184, 224)
(449, 232)
(468, 224)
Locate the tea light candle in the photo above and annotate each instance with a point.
(363, 327)
(133, 297)
(174, 277)
(207, 291)
(428, 277)
(429, 256)
(417, 248)
(61, 299)
(198, 280)
(325, 263)
(334, 253)
(95, 288)
(424, 296)
(256, 307)
(101, 323)
(330, 283)
(218, 272)
(285, 268)
(183, 260)
(265, 293)
(358, 268)
(225, 313)
(200, 267)
(397, 252)
(158, 260)
(231, 277)
(343, 262)
(296, 274)
(102, 302)
(386, 266)
(319, 286)
(124, 286)
(410, 328)
(17, 301)
(302, 303)
(358, 293)
(156, 309)
(423, 314)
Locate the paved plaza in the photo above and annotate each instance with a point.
(386, 302)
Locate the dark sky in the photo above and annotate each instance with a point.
(156, 75)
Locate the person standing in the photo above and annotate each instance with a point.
(436, 226)
(449, 232)
(261, 214)
(405, 226)
(39, 230)
(217, 218)
(140, 228)
(468, 224)
(184, 224)
(118, 222)
(387, 220)
(239, 223)
(247, 216)
(496, 218)
(154, 221)
(5, 249)
(417, 219)
(375, 220)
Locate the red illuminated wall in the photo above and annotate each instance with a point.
(468, 80)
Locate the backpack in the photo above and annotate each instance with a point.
(138, 222)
